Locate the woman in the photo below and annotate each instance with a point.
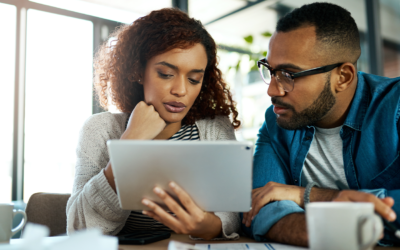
(162, 73)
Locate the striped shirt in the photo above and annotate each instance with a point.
(137, 220)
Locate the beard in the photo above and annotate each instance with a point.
(314, 113)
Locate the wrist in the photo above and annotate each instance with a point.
(301, 196)
(108, 173)
(213, 227)
(307, 193)
(321, 194)
(127, 135)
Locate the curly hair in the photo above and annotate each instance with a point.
(120, 65)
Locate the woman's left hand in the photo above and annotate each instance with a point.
(190, 219)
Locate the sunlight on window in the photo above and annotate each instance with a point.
(7, 69)
(58, 98)
(93, 9)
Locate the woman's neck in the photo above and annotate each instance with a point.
(169, 131)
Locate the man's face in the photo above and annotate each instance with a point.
(312, 97)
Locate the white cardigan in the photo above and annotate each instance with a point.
(94, 203)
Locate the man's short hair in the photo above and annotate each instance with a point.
(333, 24)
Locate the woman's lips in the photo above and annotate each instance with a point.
(280, 110)
(174, 107)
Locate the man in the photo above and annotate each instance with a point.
(329, 129)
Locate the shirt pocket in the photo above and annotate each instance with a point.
(389, 178)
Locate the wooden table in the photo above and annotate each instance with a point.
(163, 245)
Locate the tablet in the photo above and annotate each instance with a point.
(217, 175)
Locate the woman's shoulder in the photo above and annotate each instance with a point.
(106, 122)
(219, 121)
(218, 128)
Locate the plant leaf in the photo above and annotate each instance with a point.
(248, 39)
(264, 53)
(266, 34)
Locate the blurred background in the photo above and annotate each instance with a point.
(46, 56)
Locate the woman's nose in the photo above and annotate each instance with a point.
(179, 87)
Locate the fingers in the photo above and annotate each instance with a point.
(161, 215)
(388, 201)
(171, 204)
(185, 199)
(245, 217)
(152, 215)
(380, 206)
(144, 123)
(384, 210)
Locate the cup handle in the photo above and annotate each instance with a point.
(21, 225)
(377, 229)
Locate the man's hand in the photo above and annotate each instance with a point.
(189, 219)
(272, 191)
(382, 206)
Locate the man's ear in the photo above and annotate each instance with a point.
(346, 74)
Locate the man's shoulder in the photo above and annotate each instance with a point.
(384, 94)
(380, 85)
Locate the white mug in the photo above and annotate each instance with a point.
(7, 213)
(342, 225)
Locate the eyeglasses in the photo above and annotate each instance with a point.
(285, 78)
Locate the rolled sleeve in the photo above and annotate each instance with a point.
(380, 192)
(268, 216)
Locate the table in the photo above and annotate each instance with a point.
(163, 244)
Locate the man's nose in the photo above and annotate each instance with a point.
(275, 89)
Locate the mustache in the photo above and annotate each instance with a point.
(277, 101)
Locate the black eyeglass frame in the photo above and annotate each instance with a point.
(307, 72)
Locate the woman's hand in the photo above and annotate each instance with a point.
(272, 191)
(190, 219)
(144, 123)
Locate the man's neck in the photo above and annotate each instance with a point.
(338, 114)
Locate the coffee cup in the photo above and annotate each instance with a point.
(7, 213)
(342, 225)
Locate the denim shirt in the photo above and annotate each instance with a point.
(371, 148)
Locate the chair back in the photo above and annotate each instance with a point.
(50, 210)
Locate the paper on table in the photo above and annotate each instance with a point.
(247, 246)
(176, 245)
(35, 237)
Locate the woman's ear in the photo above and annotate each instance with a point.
(136, 78)
(346, 74)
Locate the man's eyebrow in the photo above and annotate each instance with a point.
(176, 68)
(287, 66)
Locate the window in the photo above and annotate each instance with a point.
(58, 98)
(7, 69)
(390, 25)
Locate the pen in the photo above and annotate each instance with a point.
(392, 228)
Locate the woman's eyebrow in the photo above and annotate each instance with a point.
(177, 69)
(168, 65)
(197, 71)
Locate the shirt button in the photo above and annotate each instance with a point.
(295, 180)
(307, 138)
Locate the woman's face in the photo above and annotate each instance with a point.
(173, 80)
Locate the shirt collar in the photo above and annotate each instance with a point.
(359, 105)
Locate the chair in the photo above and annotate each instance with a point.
(50, 210)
